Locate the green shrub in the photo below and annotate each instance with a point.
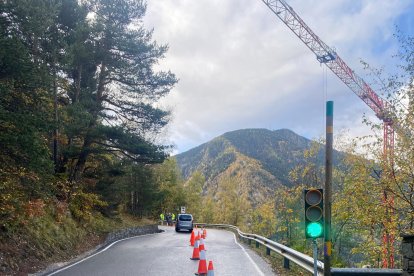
(82, 205)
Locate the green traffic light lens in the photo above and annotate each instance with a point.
(314, 229)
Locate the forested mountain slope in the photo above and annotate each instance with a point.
(259, 159)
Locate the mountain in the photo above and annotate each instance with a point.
(259, 159)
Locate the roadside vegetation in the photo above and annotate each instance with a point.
(41, 241)
(79, 126)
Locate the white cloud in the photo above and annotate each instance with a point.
(239, 66)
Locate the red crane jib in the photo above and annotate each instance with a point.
(328, 56)
(324, 54)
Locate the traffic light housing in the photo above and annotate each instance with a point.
(314, 223)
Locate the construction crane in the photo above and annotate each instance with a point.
(329, 57)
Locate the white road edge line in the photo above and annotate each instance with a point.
(106, 248)
(248, 256)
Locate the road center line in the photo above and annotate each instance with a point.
(248, 256)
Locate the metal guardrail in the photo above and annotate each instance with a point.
(303, 260)
(365, 271)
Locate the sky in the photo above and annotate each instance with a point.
(240, 67)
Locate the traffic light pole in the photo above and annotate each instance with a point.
(328, 188)
(315, 257)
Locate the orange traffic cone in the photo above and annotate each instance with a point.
(205, 233)
(202, 233)
(202, 264)
(210, 270)
(196, 252)
(192, 238)
(201, 245)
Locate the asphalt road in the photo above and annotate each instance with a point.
(169, 253)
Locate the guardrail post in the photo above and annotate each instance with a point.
(286, 263)
(257, 244)
(250, 241)
(268, 251)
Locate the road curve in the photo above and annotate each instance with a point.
(169, 253)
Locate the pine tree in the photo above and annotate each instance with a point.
(116, 86)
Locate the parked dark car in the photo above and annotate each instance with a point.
(184, 222)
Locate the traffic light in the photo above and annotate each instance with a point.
(314, 224)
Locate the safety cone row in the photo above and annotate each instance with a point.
(199, 252)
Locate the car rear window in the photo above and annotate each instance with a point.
(185, 217)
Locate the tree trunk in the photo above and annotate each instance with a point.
(78, 84)
(101, 84)
(80, 164)
(56, 119)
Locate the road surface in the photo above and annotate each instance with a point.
(169, 253)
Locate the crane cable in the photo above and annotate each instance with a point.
(324, 92)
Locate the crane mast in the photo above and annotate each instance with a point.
(329, 57)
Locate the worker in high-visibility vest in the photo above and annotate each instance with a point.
(173, 218)
(162, 217)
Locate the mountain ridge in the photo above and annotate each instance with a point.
(260, 160)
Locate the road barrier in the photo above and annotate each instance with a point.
(210, 270)
(196, 252)
(192, 238)
(302, 260)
